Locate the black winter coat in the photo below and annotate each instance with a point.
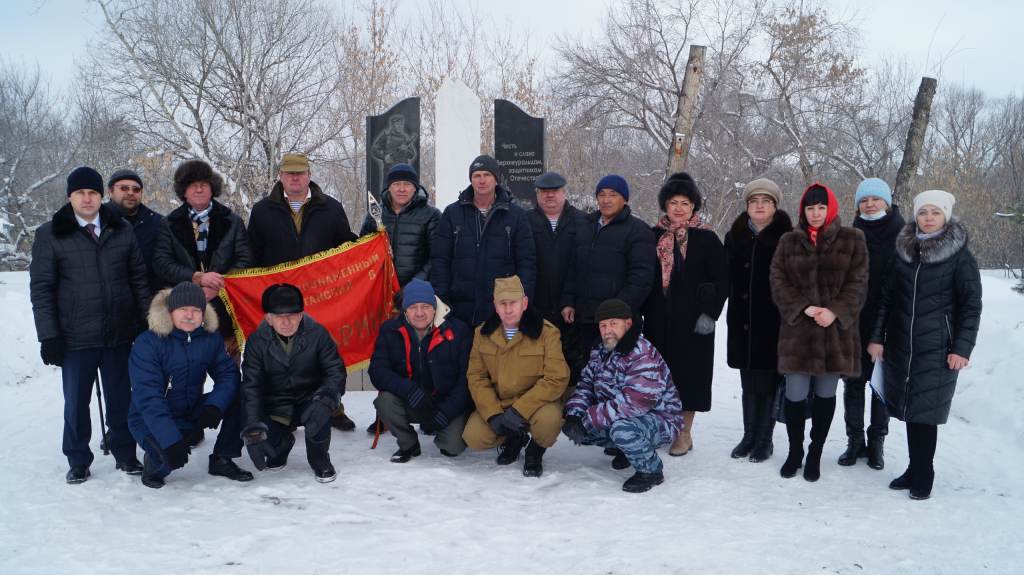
(89, 294)
(467, 257)
(880, 236)
(753, 318)
(930, 307)
(146, 224)
(554, 258)
(437, 366)
(272, 231)
(411, 232)
(699, 285)
(227, 246)
(617, 260)
(274, 383)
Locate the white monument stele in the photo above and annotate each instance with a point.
(456, 140)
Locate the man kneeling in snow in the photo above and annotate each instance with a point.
(292, 375)
(419, 366)
(625, 399)
(168, 367)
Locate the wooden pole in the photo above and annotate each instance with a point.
(686, 112)
(915, 141)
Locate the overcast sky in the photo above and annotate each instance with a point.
(972, 43)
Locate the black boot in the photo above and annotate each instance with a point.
(822, 411)
(278, 462)
(854, 448)
(404, 455)
(225, 467)
(534, 464)
(130, 465)
(641, 482)
(903, 481)
(319, 458)
(508, 452)
(921, 440)
(77, 475)
(149, 477)
(619, 461)
(795, 421)
(743, 448)
(853, 416)
(876, 453)
(764, 428)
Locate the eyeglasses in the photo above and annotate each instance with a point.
(127, 188)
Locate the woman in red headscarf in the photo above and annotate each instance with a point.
(819, 279)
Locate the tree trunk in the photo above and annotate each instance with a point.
(915, 141)
(686, 112)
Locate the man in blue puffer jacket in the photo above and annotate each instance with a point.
(168, 367)
(482, 236)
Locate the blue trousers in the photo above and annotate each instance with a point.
(637, 437)
(317, 446)
(78, 376)
(229, 441)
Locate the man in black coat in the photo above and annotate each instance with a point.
(482, 236)
(89, 297)
(292, 375)
(555, 223)
(410, 220)
(199, 242)
(295, 220)
(126, 189)
(614, 258)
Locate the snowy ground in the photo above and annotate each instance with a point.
(713, 515)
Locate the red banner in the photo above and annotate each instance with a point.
(349, 289)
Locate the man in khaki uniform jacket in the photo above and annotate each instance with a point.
(517, 376)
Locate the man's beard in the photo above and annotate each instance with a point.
(610, 342)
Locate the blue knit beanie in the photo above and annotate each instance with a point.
(614, 182)
(418, 291)
(874, 187)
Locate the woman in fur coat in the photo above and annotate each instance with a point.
(819, 277)
(926, 328)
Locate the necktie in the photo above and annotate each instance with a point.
(91, 228)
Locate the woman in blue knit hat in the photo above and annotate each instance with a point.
(881, 222)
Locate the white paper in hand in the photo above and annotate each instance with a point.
(877, 381)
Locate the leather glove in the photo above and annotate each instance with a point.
(574, 430)
(209, 417)
(176, 454)
(317, 414)
(52, 351)
(436, 423)
(705, 325)
(260, 450)
(496, 424)
(513, 422)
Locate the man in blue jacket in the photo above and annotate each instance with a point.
(482, 236)
(419, 366)
(168, 367)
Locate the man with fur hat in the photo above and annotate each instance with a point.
(126, 192)
(169, 365)
(297, 219)
(482, 236)
(292, 375)
(89, 296)
(199, 242)
(614, 258)
(419, 368)
(625, 399)
(517, 377)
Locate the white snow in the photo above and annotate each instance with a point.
(713, 515)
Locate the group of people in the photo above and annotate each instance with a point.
(515, 326)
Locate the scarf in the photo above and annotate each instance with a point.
(201, 228)
(675, 234)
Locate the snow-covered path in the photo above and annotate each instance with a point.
(713, 515)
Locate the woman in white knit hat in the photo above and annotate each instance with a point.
(926, 329)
